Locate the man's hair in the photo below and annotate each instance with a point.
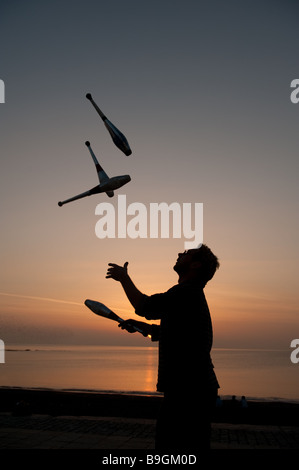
(209, 262)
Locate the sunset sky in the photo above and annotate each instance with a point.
(201, 90)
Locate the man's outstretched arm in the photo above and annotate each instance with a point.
(120, 273)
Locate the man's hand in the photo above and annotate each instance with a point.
(120, 273)
(129, 326)
(116, 272)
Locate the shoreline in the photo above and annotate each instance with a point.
(20, 401)
(253, 399)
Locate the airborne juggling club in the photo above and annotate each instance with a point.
(107, 185)
(118, 137)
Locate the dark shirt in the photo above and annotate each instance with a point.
(185, 337)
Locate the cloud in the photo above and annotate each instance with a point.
(46, 299)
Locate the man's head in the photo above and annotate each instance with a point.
(198, 263)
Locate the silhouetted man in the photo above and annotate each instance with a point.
(186, 373)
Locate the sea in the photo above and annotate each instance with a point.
(257, 374)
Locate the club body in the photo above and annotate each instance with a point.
(100, 309)
(107, 185)
(117, 136)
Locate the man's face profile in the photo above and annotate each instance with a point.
(184, 260)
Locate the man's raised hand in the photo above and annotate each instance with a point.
(116, 272)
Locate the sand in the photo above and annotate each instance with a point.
(21, 401)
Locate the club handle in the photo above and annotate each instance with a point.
(89, 97)
(135, 327)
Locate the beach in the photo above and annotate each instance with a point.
(104, 398)
(24, 401)
(57, 419)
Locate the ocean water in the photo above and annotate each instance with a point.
(257, 374)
